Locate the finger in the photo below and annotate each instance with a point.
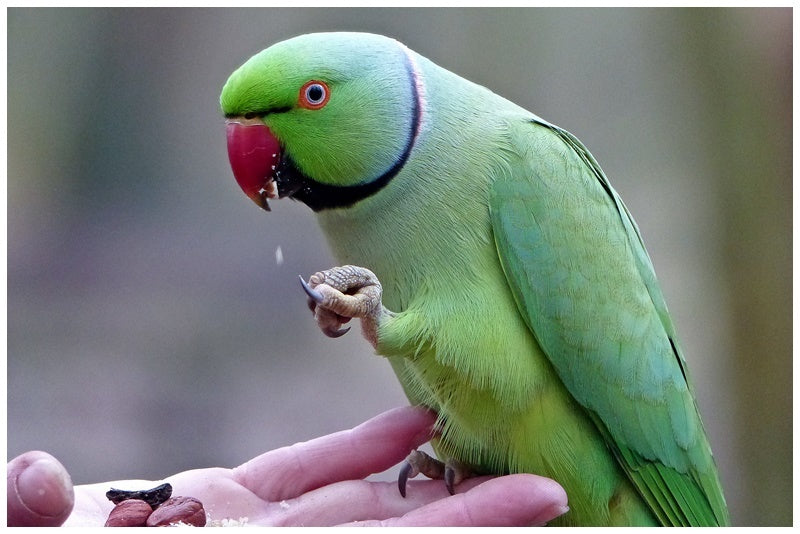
(371, 447)
(513, 500)
(39, 491)
(359, 500)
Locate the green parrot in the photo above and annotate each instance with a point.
(494, 266)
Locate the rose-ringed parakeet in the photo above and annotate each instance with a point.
(492, 263)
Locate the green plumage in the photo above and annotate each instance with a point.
(527, 310)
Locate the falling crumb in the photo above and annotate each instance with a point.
(284, 505)
(229, 522)
(279, 255)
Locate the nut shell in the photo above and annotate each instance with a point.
(186, 510)
(129, 513)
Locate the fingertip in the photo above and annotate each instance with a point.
(552, 498)
(414, 421)
(40, 491)
(547, 488)
(423, 414)
(521, 499)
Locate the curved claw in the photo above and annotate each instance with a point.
(315, 295)
(406, 472)
(449, 479)
(331, 332)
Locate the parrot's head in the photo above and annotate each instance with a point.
(323, 118)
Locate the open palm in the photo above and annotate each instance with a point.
(315, 483)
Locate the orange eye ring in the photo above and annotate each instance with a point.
(314, 95)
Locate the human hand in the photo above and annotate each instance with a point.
(318, 482)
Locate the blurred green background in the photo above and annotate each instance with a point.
(151, 329)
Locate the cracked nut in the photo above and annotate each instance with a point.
(185, 510)
(129, 513)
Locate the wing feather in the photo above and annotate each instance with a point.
(584, 283)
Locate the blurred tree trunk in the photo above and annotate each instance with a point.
(751, 57)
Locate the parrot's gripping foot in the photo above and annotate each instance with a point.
(339, 294)
(418, 462)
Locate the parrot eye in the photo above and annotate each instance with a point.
(314, 95)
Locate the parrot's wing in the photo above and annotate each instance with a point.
(585, 285)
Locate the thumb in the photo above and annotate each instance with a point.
(40, 491)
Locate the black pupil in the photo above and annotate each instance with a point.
(315, 93)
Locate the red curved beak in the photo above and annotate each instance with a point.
(254, 154)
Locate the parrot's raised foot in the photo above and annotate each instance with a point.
(418, 462)
(339, 294)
